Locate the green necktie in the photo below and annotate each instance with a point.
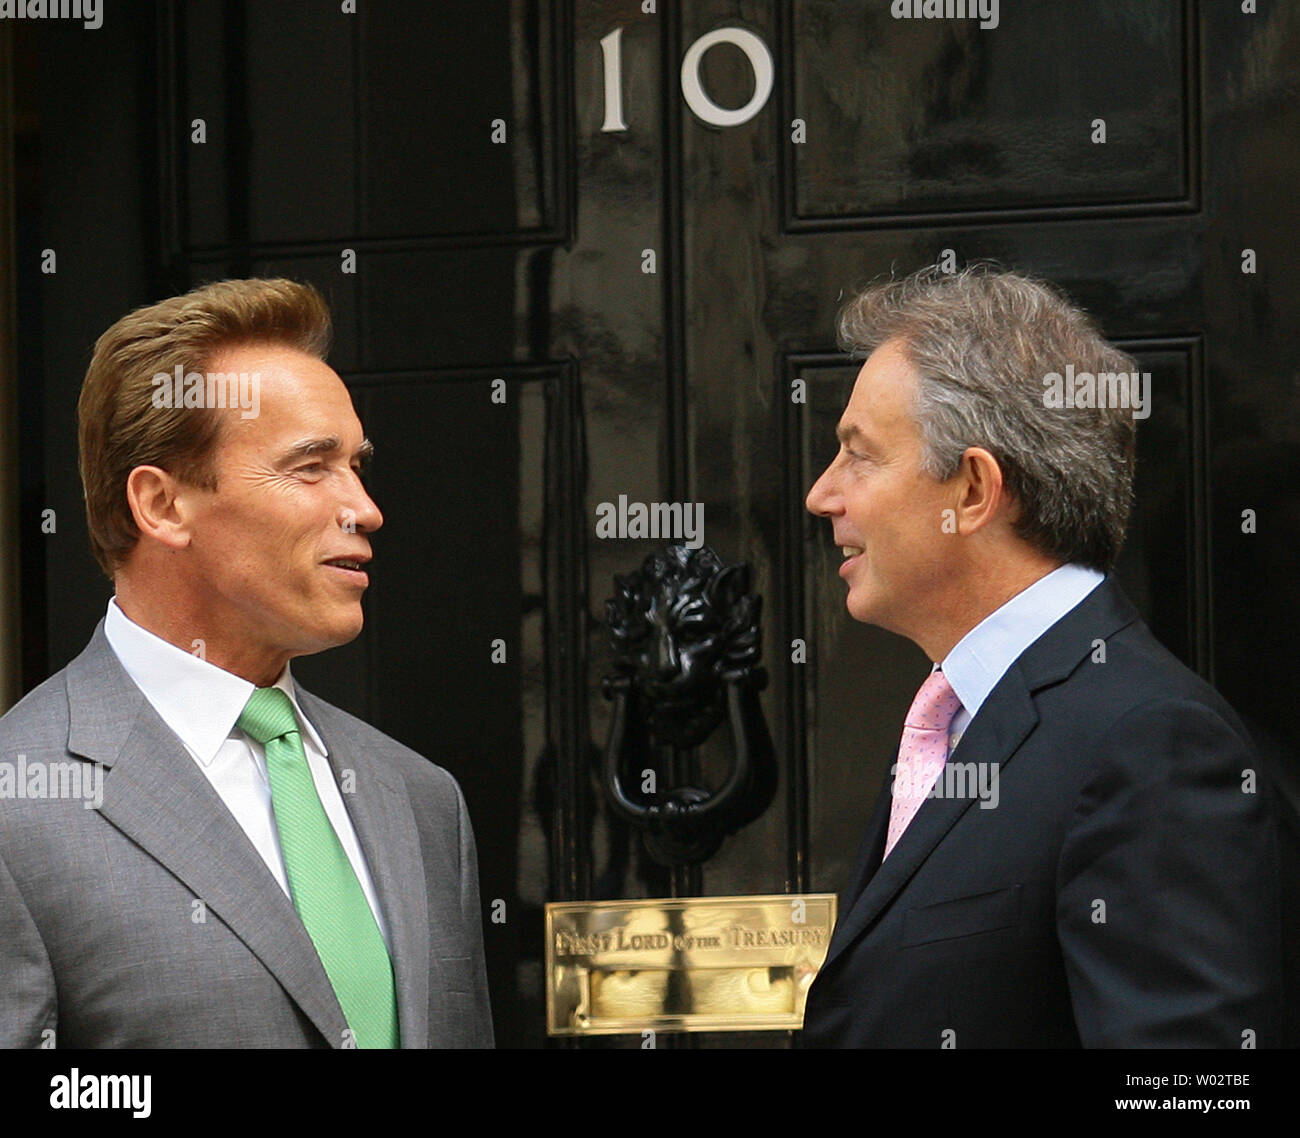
(325, 889)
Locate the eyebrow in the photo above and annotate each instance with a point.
(330, 444)
(847, 434)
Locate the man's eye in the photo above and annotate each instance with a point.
(311, 468)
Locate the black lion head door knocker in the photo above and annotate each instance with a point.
(685, 633)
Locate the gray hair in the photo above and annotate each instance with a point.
(982, 341)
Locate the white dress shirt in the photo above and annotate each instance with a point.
(981, 658)
(201, 704)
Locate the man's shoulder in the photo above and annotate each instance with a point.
(1104, 643)
(1101, 666)
(92, 689)
(1137, 671)
(41, 716)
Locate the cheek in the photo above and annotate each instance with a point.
(259, 558)
(931, 545)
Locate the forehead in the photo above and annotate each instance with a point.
(297, 396)
(881, 404)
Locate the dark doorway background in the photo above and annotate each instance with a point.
(357, 151)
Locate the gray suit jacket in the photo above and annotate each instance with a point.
(151, 921)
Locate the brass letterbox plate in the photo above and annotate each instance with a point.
(684, 964)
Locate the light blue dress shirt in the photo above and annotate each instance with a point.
(981, 658)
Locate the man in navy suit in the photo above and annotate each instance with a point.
(1077, 846)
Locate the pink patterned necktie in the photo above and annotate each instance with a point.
(922, 752)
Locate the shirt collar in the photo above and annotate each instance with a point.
(200, 702)
(981, 658)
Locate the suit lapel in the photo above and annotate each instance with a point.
(995, 734)
(992, 737)
(156, 795)
(381, 813)
(872, 848)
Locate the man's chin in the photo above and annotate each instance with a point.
(347, 633)
(861, 607)
(343, 630)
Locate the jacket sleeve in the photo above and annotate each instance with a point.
(28, 1003)
(471, 908)
(1167, 887)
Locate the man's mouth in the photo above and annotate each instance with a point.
(353, 567)
(851, 554)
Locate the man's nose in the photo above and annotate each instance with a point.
(821, 498)
(361, 510)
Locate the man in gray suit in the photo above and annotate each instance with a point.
(195, 852)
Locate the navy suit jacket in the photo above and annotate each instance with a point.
(1123, 892)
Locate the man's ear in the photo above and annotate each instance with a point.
(159, 504)
(980, 480)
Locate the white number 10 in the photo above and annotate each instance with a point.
(760, 59)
